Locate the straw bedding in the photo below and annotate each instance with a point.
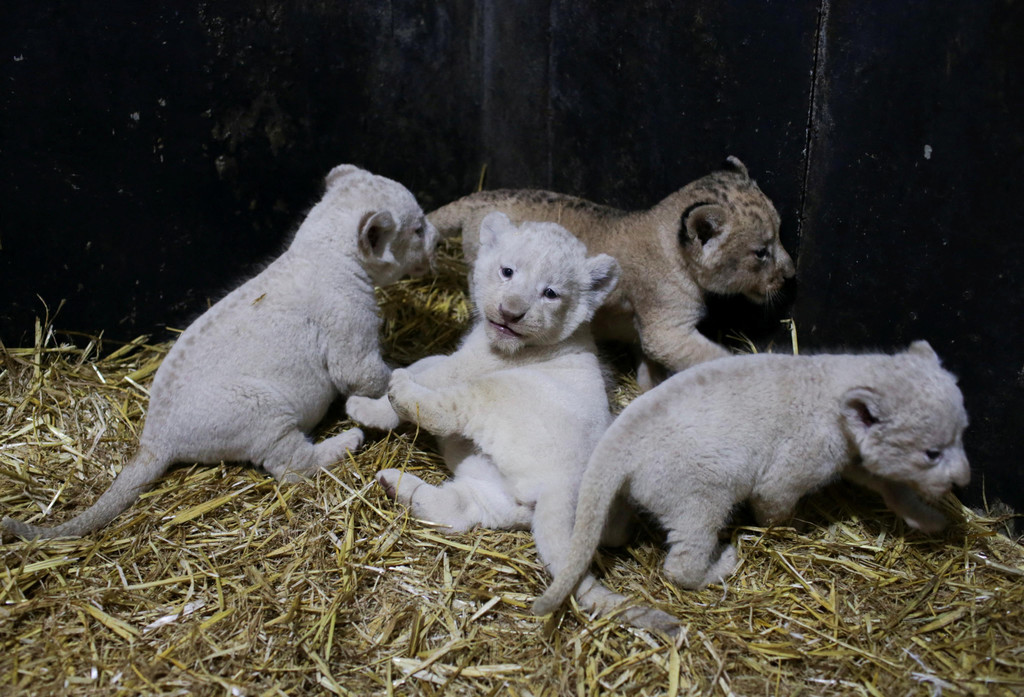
(220, 581)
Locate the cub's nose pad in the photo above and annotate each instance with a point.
(510, 315)
(786, 266)
(962, 475)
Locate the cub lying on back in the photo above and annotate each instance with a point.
(769, 429)
(718, 234)
(257, 370)
(522, 402)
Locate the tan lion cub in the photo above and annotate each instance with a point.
(769, 429)
(256, 371)
(718, 234)
(522, 402)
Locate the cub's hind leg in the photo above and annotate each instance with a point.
(294, 456)
(476, 495)
(693, 560)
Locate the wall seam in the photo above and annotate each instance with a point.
(813, 110)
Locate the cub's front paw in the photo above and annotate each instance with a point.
(402, 394)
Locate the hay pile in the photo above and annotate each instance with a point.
(219, 581)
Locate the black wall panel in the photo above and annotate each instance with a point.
(151, 154)
(915, 200)
(649, 96)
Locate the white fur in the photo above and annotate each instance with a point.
(254, 373)
(522, 402)
(769, 429)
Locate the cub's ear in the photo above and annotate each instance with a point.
(603, 275)
(336, 175)
(733, 164)
(376, 228)
(923, 349)
(705, 221)
(861, 409)
(493, 225)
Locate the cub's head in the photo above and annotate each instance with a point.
(908, 423)
(729, 235)
(393, 237)
(534, 284)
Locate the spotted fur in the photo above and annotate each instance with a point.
(718, 234)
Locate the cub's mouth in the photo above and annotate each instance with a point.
(504, 329)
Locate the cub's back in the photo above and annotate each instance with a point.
(761, 396)
(587, 220)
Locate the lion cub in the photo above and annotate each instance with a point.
(718, 234)
(521, 403)
(769, 429)
(256, 371)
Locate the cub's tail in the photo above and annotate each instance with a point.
(137, 475)
(601, 483)
(462, 217)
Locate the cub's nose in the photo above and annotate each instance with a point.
(510, 315)
(962, 472)
(785, 264)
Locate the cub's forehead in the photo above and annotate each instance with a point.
(541, 246)
(376, 192)
(931, 394)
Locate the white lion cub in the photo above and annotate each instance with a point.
(769, 429)
(256, 371)
(522, 402)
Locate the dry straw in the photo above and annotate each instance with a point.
(220, 581)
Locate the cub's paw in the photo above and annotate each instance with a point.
(375, 413)
(314, 458)
(402, 394)
(398, 485)
(724, 567)
(338, 447)
(652, 618)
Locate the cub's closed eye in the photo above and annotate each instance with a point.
(933, 455)
(506, 272)
(550, 294)
(761, 253)
(419, 229)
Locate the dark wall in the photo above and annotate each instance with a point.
(914, 204)
(151, 154)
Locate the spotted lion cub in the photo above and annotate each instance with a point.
(769, 429)
(521, 403)
(718, 234)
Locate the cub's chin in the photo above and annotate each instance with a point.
(931, 492)
(504, 338)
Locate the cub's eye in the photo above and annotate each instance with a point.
(550, 294)
(506, 272)
(933, 455)
(761, 253)
(419, 230)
